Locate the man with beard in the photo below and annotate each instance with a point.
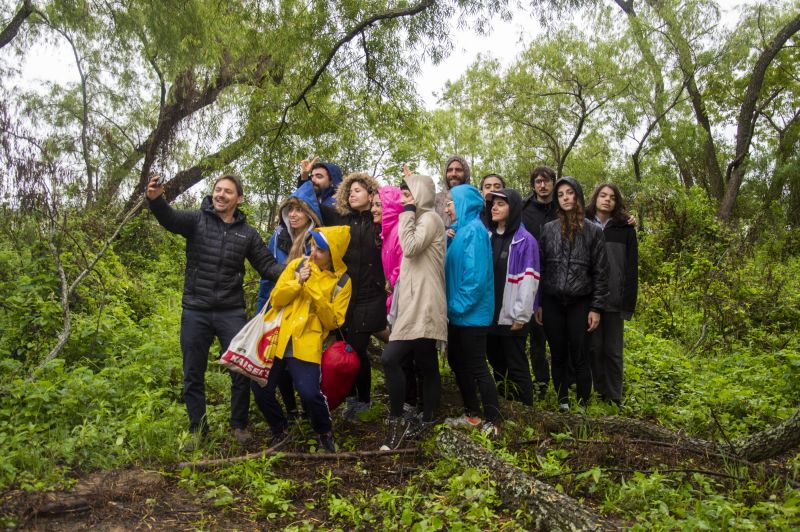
(218, 240)
(456, 172)
(538, 209)
(326, 178)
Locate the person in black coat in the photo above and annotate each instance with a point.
(218, 240)
(537, 209)
(367, 311)
(575, 289)
(607, 210)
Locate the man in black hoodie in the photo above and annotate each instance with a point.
(218, 239)
(538, 209)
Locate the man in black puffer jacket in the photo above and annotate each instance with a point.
(218, 240)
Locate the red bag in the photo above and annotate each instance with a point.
(340, 367)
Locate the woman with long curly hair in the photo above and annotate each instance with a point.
(366, 314)
(575, 289)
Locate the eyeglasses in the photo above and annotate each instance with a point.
(540, 182)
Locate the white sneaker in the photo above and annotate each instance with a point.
(563, 408)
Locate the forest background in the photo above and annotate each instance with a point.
(697, 121)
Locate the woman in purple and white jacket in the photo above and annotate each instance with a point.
(516, 280)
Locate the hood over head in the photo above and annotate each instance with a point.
(343, 192)
(468, 202)
(514, 200)
(423, 190)
(337, 238)
(335, 173)
(305, 197)
(390, 207)
(464, 163)
(571, 181)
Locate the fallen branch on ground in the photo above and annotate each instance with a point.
(207, 464)
(550, 509)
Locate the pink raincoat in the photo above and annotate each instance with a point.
(391, 252)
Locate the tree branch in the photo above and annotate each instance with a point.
(13, 27)
(349, 36)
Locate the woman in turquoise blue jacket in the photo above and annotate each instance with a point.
(470, 308)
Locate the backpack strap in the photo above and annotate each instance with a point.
(339, 285)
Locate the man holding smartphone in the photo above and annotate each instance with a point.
(218, 240)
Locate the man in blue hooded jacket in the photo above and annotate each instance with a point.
(326, 178)
(469, 283)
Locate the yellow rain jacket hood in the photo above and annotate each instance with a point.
(311, 310)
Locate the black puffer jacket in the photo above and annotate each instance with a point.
(367, 310)
(215, 253)
(575, 269)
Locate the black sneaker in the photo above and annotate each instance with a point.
(418, 429)
(326, 443)
(395, 434)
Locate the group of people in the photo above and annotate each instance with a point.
(476, 270)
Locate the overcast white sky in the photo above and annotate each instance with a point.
(505, 41)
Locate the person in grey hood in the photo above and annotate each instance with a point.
(575, 289)
(456, 172)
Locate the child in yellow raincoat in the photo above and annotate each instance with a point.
(312, 308)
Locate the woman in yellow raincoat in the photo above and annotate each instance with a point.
(314, 303)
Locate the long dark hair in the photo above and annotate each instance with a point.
(572, 221)
(619, 214)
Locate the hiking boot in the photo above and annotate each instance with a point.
(563, 408)
(418, 428)
(326, 443)
(395, 434)
(465, 421)
(280, 439)
(490, 430)
(242, 436)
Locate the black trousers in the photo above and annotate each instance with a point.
(466, 354)
(605, 346)
(541, 366)
(565, 324)
(426, 360)
(198, 329)
(510, 365)
(362, 388)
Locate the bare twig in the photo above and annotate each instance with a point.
(647, 472)
(354, 455)
(67, 290)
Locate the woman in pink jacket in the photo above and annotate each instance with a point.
(389, 207)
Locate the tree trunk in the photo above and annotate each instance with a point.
(772, 441)
(550, 509)
(747, 114)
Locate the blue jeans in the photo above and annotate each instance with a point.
(198, 329)
(306, 377)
